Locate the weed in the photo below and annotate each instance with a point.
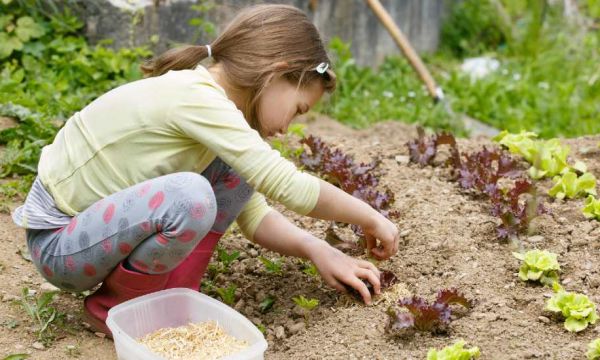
(46, 317)
(272, 266)
(226, 258)
(227, 294)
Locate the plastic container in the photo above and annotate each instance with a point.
(172, 308)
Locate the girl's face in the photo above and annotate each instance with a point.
(281, 101)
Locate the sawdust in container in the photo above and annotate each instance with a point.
(204, 340)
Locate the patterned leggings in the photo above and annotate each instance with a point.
(154, 225)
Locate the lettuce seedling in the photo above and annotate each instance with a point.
(483, 169)
(227, 294)
(569, 185)
(515, 214)
(592, 208)
(454, 352)
(272, 266)
(341, 170)
(538, 265)
(593, 352)
(548, 157)
(423, 149)
(423, 316)
(577, 309)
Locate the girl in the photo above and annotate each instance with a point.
(138, 187)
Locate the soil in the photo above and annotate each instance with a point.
(448, 241)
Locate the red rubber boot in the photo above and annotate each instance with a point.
(119, 286)
(189, 273)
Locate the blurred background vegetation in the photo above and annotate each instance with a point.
(547, 79)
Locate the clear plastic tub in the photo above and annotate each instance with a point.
(172, 308)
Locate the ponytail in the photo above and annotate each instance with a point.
(181, 58)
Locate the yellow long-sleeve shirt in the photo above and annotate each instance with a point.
(179, 121)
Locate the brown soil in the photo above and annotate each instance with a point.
(448, 241)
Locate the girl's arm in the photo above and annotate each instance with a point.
(335, 204)
(277, 233)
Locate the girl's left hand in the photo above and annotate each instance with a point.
(337, 269)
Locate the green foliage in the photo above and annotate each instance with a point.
(548, 157)
(227, 258)
(569, 185)
(16, 357)
(307, 304)
(227, 294)
(310, 269)
(591, 209)
(204, 26)
(454, 352)
(46, 317)
(593, 352)
(272, 266)
(50, 74)
(538, 265)
(472, 28)
(266, 304)
(393, 92)
(577, 309)
(283, 144)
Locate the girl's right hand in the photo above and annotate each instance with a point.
(382, 237)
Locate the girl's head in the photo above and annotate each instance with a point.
(269, 55)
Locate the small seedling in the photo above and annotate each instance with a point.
(261, 328)
(307, 305)
(227, 258)
(272, 266)
(227, 294)
(571, 186)
(283, 144)
(422, 315)
(454, 352)
(577, 309)
(310, 269)
(592, 208)
(42, 313)
(593, 352)
(266, 304)
(538, 265)
(17, 357)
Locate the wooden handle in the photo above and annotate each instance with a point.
(413, 58)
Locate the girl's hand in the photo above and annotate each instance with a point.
(337, 269)
(382, 229)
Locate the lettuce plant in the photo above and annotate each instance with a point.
(569, 185)
(548, 157)
(423, 149)
(593, 352)
(425, 316)
(538, 265)
(592, 208)
(454, 352)
(577, 309)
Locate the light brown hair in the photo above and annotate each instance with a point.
(256, 39)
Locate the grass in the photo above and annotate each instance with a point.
(548, 81)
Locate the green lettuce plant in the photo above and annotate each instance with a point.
(548, 157)
(577, 309)
(591, 209)
(569, 185)
(454, 352)
(593, 352)
(538, 265)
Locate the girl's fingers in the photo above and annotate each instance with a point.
(369, 265)
(357, 284)
(371, 242)
(371, 277)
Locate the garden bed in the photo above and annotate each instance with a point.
(448, 240)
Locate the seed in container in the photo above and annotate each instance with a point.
(205, 340)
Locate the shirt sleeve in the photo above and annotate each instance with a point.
(203, 113)
(252, 215)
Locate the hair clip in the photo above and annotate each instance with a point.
(322, 68)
